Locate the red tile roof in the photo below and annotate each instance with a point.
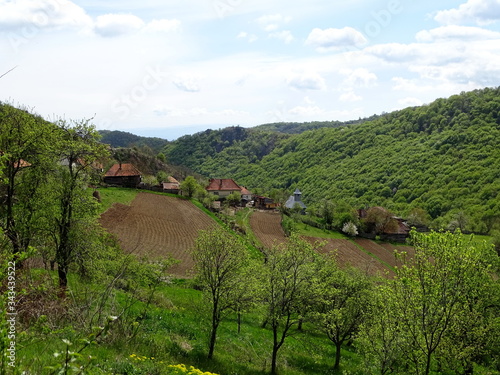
(223, 184)
(123, 170)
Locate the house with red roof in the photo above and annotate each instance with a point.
(222, 187)
(125, 175)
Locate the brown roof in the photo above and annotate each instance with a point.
(245, 191)
(170, 186)
(223, 184)
(122, 170)
(172, 180)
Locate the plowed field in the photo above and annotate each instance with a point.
(348, 254)
(156, 226)
(267, 227)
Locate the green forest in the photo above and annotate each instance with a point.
(443, 158)
(73, 302)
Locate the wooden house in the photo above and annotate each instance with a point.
(171, 186)
(265, 203)
(125, 175)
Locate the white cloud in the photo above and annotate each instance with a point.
(307, 81)
(42, 14)
(350, 96)
(272, 22)
(306, 111)
(331, 39)
(188, 84)
(480, 12)
(163, 25)
(454, 32)
(285, 35)
(410, 102)
(249, 37)
(110, 25)
(196, 112)
(360, 77)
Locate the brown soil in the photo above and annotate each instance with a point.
(157, 226)
(348, 254)
(267, 227)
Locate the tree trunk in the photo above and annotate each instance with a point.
(274, 358)
(215, 325)
(213, 337)
(428, 364)
(63, 280)
(239, 322)
(338, 346)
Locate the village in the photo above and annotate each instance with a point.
(379, 222)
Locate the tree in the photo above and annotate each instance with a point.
(437, 293)
(27, 150)
(219, 260)
(189, 186)
(341, 303)
(286, 280)
(328, 212)
(234, 198)
(79, 150)
(380, 335)
(379, 220)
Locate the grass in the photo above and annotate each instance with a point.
(310, 231)
(173, 332)
(112, 195)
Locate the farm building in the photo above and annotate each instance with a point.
(294, 200)
(171, 186)
(222, 187)
(125, 175)
(246, 195)
(265, 203)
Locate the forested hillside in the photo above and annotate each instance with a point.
(233, 146)
(443, 158)
(300, 127)
(117, 138)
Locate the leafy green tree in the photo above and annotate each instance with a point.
(189, 186)
(161, 176)
(234, 198)
(380, 335)
(442, 287)
(27, 151)
(219, 260)
(328, 213)
(286, 281)
(342, 300)
(79, 150)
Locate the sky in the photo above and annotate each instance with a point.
(173, 67)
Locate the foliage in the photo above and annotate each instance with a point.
(342, 300)
(439, 158)
(219, 260)
(350, 229)
(286, 281)
(443, 305)
(189, 186)
(117, 138)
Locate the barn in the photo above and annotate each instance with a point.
(125, 175)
